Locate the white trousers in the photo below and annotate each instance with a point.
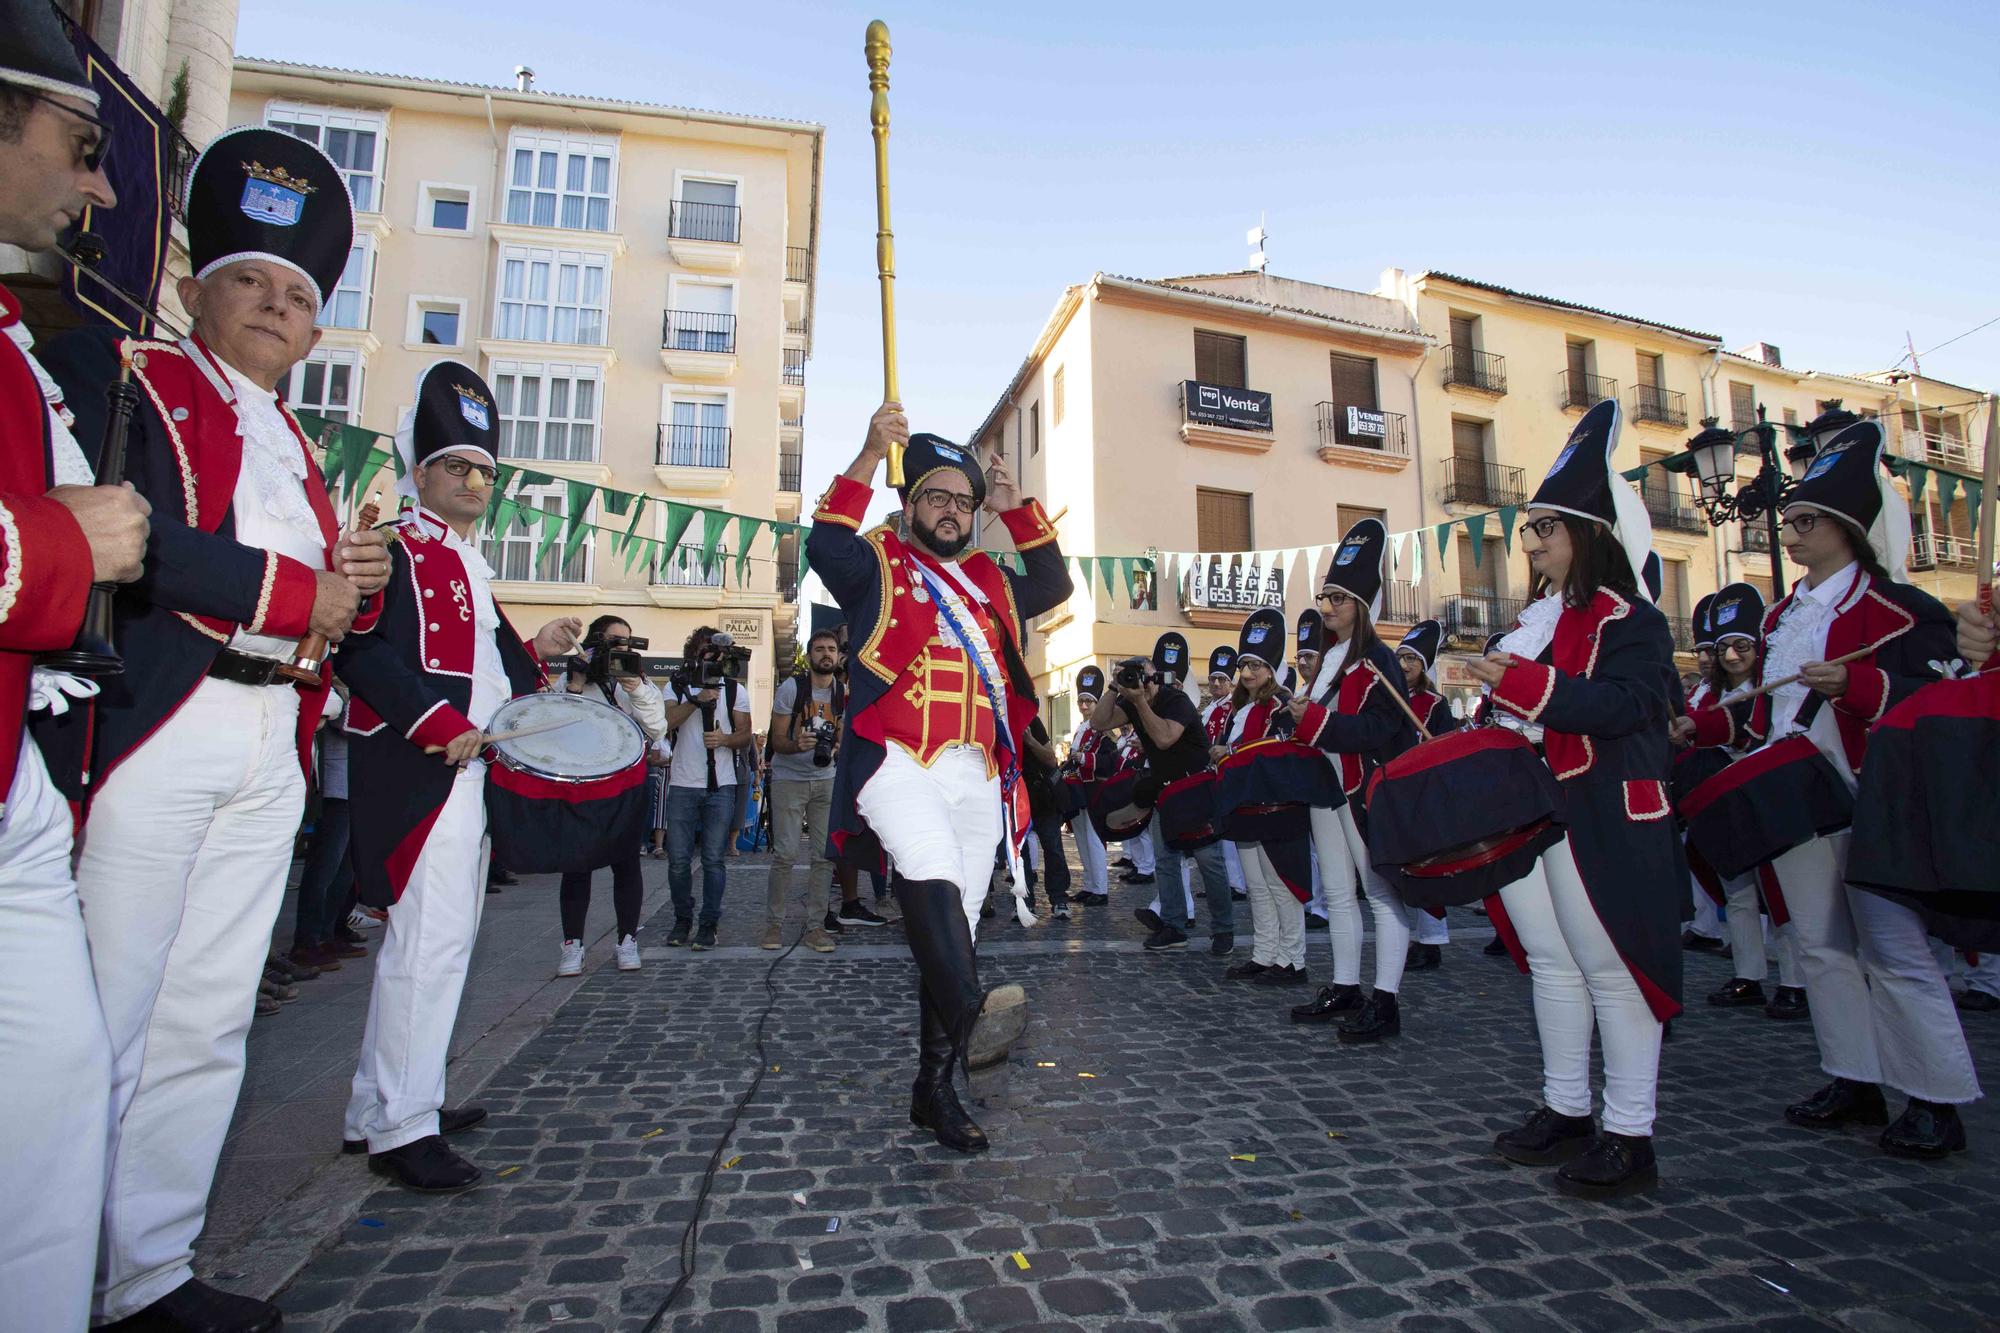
(1392, 918)
(1579, 979)
(1140, 849)
(420, 975)
(1749, 931)
(1338, 900)
(1187, 890)
(1880, 1007)
(1427, 928)
(1234, 865)
(1707, 920)
(55, 1067)
(1980, 972)
(1278, 918)
(182, 870)
(941, 822)
(1090, 851)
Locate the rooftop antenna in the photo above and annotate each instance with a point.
(1256, 238)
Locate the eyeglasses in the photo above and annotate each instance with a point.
(1741, 647)
(1333, 599)
(460, 468)
(1802, 522)
(1543, 528)
(938, 498)
(92, 158)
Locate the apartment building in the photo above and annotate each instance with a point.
(1213, 413)
(634, 281)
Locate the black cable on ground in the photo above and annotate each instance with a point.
(691, 1237)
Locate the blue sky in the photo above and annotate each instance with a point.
(1820, 176)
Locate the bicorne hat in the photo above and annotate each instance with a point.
(1582, 482)
(1262, 638)
(259, 194)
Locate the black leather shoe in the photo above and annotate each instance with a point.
(451, 1120)
(1238, 896)
(1314, 921)
(1163, 939)
(1737, 994)
(1700, 943)
(1495, 948)
(935, 1107)
(1788, 1002)
(1423, 958)
(1222, 943)
(1092, 900)
(1377, 1018)
(1975, 1002)
(1148, 918)
(1331, 1001)
(1840, 1102)
(1246, 970)
(196, 1307)
(426, 1166)
(1617, 1165)
(1545, 1138)
(1134, 877)
(1280, 976)
(1927, 1131)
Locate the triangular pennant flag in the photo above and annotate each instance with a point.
(713, 524)
(1637, 475)
(638, 513)
(1126, 564)
(529, 477)
(371, 464)
(1443, 531)
(1508, 513)
(552, 527)
(1396, 541)
(636, 549)
(354, 447)
(1417, 558)
(578, 494)
(614, 502)
(1919, 477)
(501, 517)
(1106, 566)
(1475, 528)
(746, 533)
(1947, 488)
(1972, 498)
(678, 518)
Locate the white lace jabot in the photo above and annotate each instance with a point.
(275, 462)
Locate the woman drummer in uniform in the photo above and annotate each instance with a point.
(1257, 711)
(1596, 922)
(1415, 655)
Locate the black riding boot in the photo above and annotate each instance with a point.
(934, 1103)
(950, 997)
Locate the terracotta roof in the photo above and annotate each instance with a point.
(1567, 305)
(1178, 285)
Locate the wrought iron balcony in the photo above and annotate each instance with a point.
(683, 445)
(1470, 617)
(790, 467)
(1472, 369)
(1401, 602)
(1652, 403)
(798, 264)
(683, 568)
(1582, 392)
(698, 331)
(688, 220)
(795, 365)
(1941, 550)
(1670, 512)
(1683, 632)
(788, 580)
(1394, 438)
(1483, 485)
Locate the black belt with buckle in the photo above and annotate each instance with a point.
(244, 669)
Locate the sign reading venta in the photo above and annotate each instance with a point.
(1219, 405)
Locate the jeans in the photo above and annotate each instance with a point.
(1214, 878)
(1055, 865)
(324, 882)
(696, 812)
(627, 890)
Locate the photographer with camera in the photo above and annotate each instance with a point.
(1148, 695)
(805, 734)
(608, 668)
(709, 717)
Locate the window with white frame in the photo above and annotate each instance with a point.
(551, 296)
(355, 140)
(683, 567)
(706, 210)
(560, 181)
(696, 431)
(347, 305)
(444, 208)
(701, 316)
(547, 411)
(436, 321)
(327, 382)
(512, 552)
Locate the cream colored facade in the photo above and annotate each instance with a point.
(1095, 425)
(634, 282)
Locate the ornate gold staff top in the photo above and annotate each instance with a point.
(876, 46)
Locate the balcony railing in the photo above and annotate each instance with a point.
(1754, 538)
(683, 568)
(797, 423)
(1401, 603)
(1652, 403)
(788, 580)
(1472, 481)
(1334, 429)
(1941, 550)
(1683, 633)
(698, 331)
(798, 264)
(1671, 512)
(1583, 392)
(688, 220)
(1483, 371)
(683, 445)
(795, 365)
(1935, 447)
(798, 328)
(790, 468)
(1469, 617)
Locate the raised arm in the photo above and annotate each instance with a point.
(844, 562)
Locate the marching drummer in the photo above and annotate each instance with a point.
(428, 667)
(1416, 654)
(1215, 721)
(1278, 955)
(1352, 711)
(1595, 921)
(1881, 1009)
(1706, 889)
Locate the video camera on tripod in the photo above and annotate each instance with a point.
(716, 661)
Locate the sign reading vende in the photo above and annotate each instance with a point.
(1220, 405)
(1361, 421)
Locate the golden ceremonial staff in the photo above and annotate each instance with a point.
(876, 46)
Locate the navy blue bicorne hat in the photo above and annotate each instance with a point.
(1423, 640)
(1583, 482)
(1492, 643)
(454, 414)
(1309, 636)
(928, 454)
(1090, 681)
(1847, 480)
(1263, 638)
(1170, 657)
(1699, 622)
(1222, 662)
(259, 194)
(36, 54)
(1360, 564)
(1737, 612)
(1654, 576)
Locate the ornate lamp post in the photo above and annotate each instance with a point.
(1711, 457)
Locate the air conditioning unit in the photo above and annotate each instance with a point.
(1474, 617)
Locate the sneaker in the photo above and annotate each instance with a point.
(678, 938)
(832, 924)
(571, 963)
(818, 941)
(1092, 900)
(858, 914)
(704, 938)
(1148, 918)
(774, 936)
(1615, 1166)
(1314, 921)
(1222, 943)
(1060, 912)
(360, 920)
(628, 953)
(1166, 937)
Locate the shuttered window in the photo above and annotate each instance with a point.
(1468, 440)
(1462, 329)
(1742, 405)
(1673, 592)
(1579, 365)
(1485, 579)
(1219, 359)
(1034, 429)
(1649, 370)
(1222, 520)
(1354, 382)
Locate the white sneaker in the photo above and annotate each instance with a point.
(360, 920)
(572, 959)
(628, 953)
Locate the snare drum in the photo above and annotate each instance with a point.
(1187, 812)
(1265, 789)
(568, 798)
(1112, 813)
(1461, 817)
(1765, 804)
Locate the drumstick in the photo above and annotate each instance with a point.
(1988, 503)
(515, 734)
(1738, 696)
(1402, 703)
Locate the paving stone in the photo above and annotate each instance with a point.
(1290, 1312)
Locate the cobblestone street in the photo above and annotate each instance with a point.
(1169, 1152)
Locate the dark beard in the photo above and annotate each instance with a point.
(943, 548)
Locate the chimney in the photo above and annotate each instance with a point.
(1764, 352)
(524, 79)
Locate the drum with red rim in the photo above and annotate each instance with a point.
(1186, 812)
(1765, 804)
(1264, 789)
(571, 795)
(1112, 812)
(1460, 817)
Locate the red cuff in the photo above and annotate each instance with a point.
(1028, 525)
(45, 569)
(1311, 722)
(440, 725)
(371, 612)
(845, 503)
(285, 602)
(1867, 694)
(1713, 726)
(1526, 689)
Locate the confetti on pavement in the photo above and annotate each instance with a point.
(1020, 1261)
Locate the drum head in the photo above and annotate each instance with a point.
(593, 741)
